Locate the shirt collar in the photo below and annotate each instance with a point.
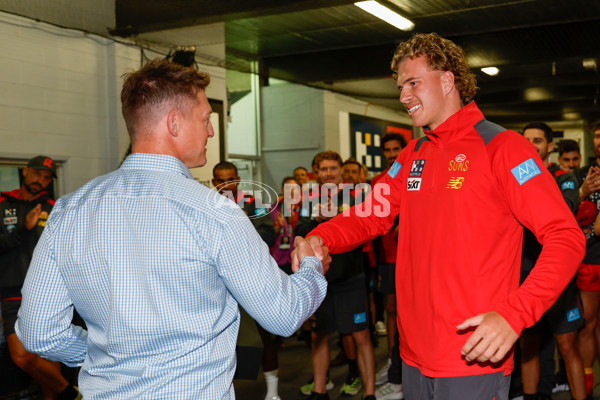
(156, 162)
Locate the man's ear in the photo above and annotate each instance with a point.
(447, 81)
(173, 122)
(550, 147)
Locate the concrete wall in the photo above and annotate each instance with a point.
(60, 97)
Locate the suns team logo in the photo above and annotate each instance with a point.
(460, 163)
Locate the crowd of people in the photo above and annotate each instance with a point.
(156, 264)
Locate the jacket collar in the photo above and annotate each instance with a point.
(455, 127)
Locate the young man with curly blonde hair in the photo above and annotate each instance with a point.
(463, 193)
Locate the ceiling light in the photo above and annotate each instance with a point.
(537, 94)
(590, 63)
(384, 13)
(492, 71)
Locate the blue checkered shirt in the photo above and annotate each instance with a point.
(156, 265)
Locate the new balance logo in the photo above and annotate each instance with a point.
(455, 182)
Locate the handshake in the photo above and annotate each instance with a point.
(310, 247)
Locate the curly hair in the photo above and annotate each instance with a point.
(442, 55)
(157, 85)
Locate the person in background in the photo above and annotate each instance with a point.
(569, 155)
(345, 307)
(226, 181)
(588, 275)
(565, 316)
(24, 213)
(282, 214)
(301, 175)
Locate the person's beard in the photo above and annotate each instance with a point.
(33, 188)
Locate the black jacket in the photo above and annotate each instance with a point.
(16, 242)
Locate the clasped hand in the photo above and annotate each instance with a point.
(310, 247)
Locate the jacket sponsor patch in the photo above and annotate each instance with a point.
(413, 184)
(417, 168)
(567, 185)
(525, 171)
(10, 221)
(360, 318)
(573, 315)
(394, 169)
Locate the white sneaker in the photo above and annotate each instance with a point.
(381, 376)
(380, 328)
(390, 391)
(560, 387)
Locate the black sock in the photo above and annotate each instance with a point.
(353, 368)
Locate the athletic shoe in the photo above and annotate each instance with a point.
(318, 396)
(380, 328)
(390, 391)
(381, 376)
(561, 387)
(351, 386)
(310, 387)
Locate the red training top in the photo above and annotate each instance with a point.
(462, 193)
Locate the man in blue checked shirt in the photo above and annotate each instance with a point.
(153, 262)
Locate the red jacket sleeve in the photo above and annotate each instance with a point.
(536, 202)
(370, 219)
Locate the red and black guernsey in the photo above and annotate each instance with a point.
(16, 242)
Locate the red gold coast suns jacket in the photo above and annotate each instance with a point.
(463, 193)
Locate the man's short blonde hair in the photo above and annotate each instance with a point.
(157, 85)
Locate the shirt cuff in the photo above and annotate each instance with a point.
(311, 262)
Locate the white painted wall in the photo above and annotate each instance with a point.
(293, 129)
(300, 121)
(60, 97)
(337, 128)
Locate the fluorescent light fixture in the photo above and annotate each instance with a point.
(537, 94)
(493, 71)
(384, 13)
